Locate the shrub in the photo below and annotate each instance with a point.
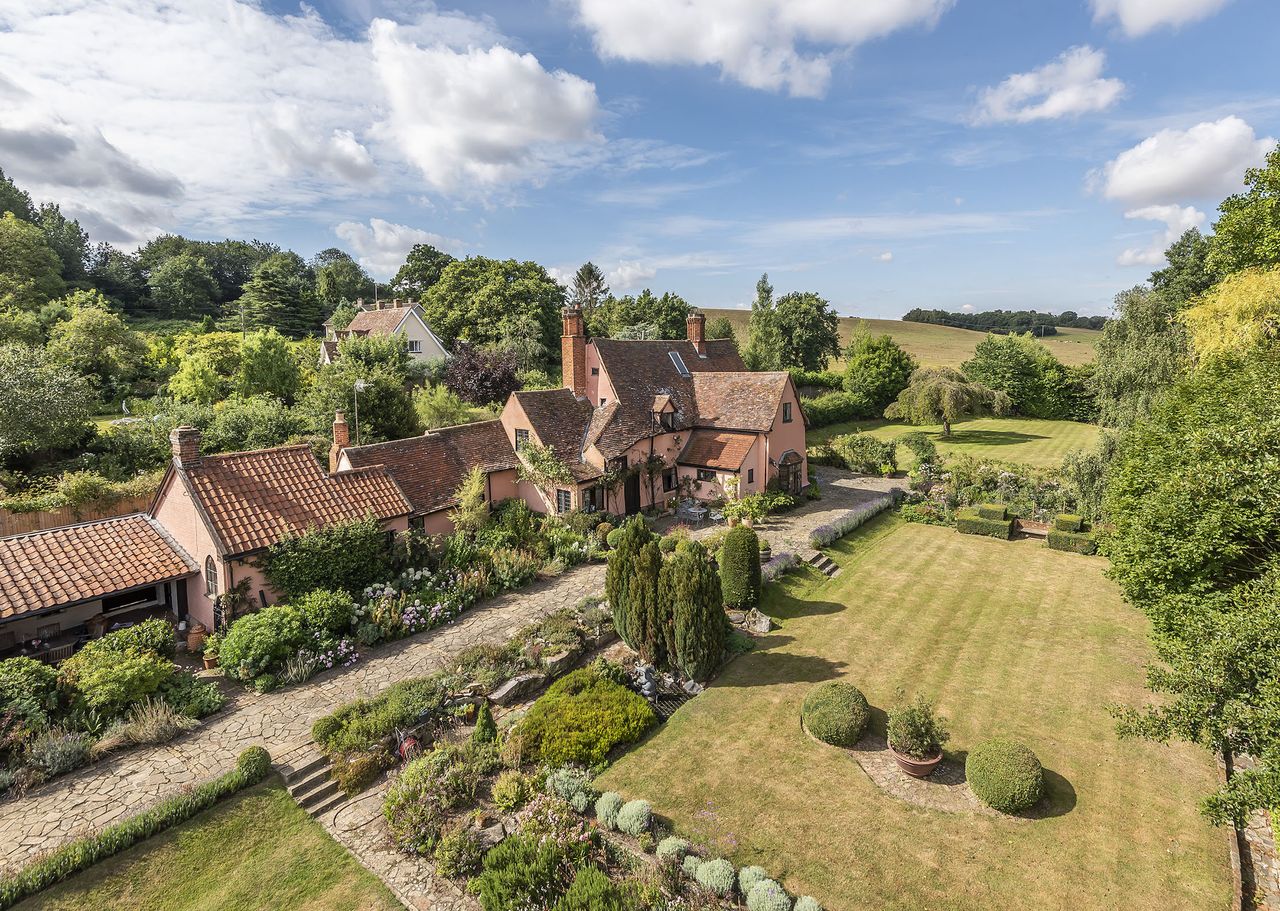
(847, 522)
(522, 872)
(414, 808)
(1004, 775)
(996, 511)
(740, 568)
(593, 890)
(57, 751)
(607, 806)
(916, 731)
(673, 848)
(28, 688)
(834, 408)
(968, 522)
(1068, 522)
(749, 876)
(836, 712)
(767, 895)
(921, 446)
(635, 817)
(1075, 542)
(613, 536)
(78, 855)
(190, 696)
(354, 774)
(359, 725)
(109, 683)
(690, 865)
(511, 791)
(690, 587)
(602, 532)
(346, 556)
(485, 731)
(573, 786)
(864, 453)
(807, 903)
(458, 853)
(154, 635)
(716, 876)
(778, 564)
(258, 642)
(667, 543)
(581, 717)
(331, 611)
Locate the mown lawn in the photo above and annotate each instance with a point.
(1034, 442)
(938, 346)
(1008, 638)
(256, 852)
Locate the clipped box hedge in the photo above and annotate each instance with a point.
(996, 511)
(971, 522)
(1077, 542)
(76, 856)
(1068, 522)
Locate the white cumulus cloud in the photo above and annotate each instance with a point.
(1206, 161)
(1177, 220)
(1137, 17)
(381, 246)
(764, 44)
(885, 257)
(1071, 84)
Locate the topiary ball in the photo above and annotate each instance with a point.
(673, 848)
(254, 763)
(612, 538)
(836, 712)
(749, 876)
(1005, 775)
(716, 876)
(667, 543)
(807, 903)
(767, 895)
(635, 817)
(691, 864)
(607, 807)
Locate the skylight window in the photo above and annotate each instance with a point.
(679, 362)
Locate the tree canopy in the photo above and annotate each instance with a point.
(1141, 352)
(809, 329)
(44, 405)
(876, 369)
(422, 268)
(476, 296)
(1247, 232)
(764, 338)
(944, 395)
(30, 270)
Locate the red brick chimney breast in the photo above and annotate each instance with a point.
(341, 440)
(573, 352)
(184, 442)
(696, 328)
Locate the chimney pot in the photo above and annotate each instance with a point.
(341, 440)
(696, 327)
(184, 442)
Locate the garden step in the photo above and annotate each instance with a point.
(319, 795)
(332, 803)
(305, 786)
(297, 773)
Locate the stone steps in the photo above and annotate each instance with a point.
(822, 563)
(309, 779)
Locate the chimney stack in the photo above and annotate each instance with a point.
(184, 442)
(696, 327)
(341, 440)
(573, 351)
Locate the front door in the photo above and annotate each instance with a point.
(631, 494)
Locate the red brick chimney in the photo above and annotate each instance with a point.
(184, 442)
(573, 351)
(696, 329)
(341, 440)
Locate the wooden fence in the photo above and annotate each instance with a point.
(19, 523)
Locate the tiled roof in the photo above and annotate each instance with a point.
(76, 563)
(430, 468)
(738, 401)
(378, 322)
(717, 449)
(254, 498)
(643, 370)
(330, 347)
(560, 420)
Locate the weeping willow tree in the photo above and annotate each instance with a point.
(942, 395)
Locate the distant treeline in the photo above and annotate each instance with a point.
(1004, 321)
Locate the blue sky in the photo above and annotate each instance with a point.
(887, 154)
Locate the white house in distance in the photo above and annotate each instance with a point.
(393, 317)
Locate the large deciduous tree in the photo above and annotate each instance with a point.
(944, 395)
(30, 270)
(67, 239)
(267, 365)
(1237, 316)
(809, 329)
(481, 376)
(1247, 232)
(183, 287)
(476, 297)
(422, 269)
(44, 405)
(15, 199)
(877, 369)
(339, 278)
(95, 342)
(1187, 273)
(1141, 352)
(1018, 366)
(647, 315)
(381, 364)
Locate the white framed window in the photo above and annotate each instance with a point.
(415, 346)
(564, 501)
(522, 438)
(210, 577)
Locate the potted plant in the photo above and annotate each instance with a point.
(916, 736)
(211, 651)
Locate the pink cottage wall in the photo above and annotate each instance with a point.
(177, 512)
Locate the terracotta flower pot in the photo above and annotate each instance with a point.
(917, 768)
(210, 662)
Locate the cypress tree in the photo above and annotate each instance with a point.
(690, 586)
(740, 568)
(618, 574)
(645, 616)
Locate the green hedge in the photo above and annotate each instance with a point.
(969, 522)
(77, 856)
(1077, 542)
(834, 408)
(996, 511)
(1068, 522)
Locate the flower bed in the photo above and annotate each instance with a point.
(848, 521)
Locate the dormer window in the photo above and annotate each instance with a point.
(678, 361)
(668, 420)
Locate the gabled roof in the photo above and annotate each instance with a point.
(561, 420)
(717, 449)
(430, 468)
(738, 401)
(75, 563)
(378, 322)
(252, 499)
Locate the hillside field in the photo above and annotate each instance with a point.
(938, 346)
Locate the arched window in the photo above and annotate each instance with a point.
(210, 577)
